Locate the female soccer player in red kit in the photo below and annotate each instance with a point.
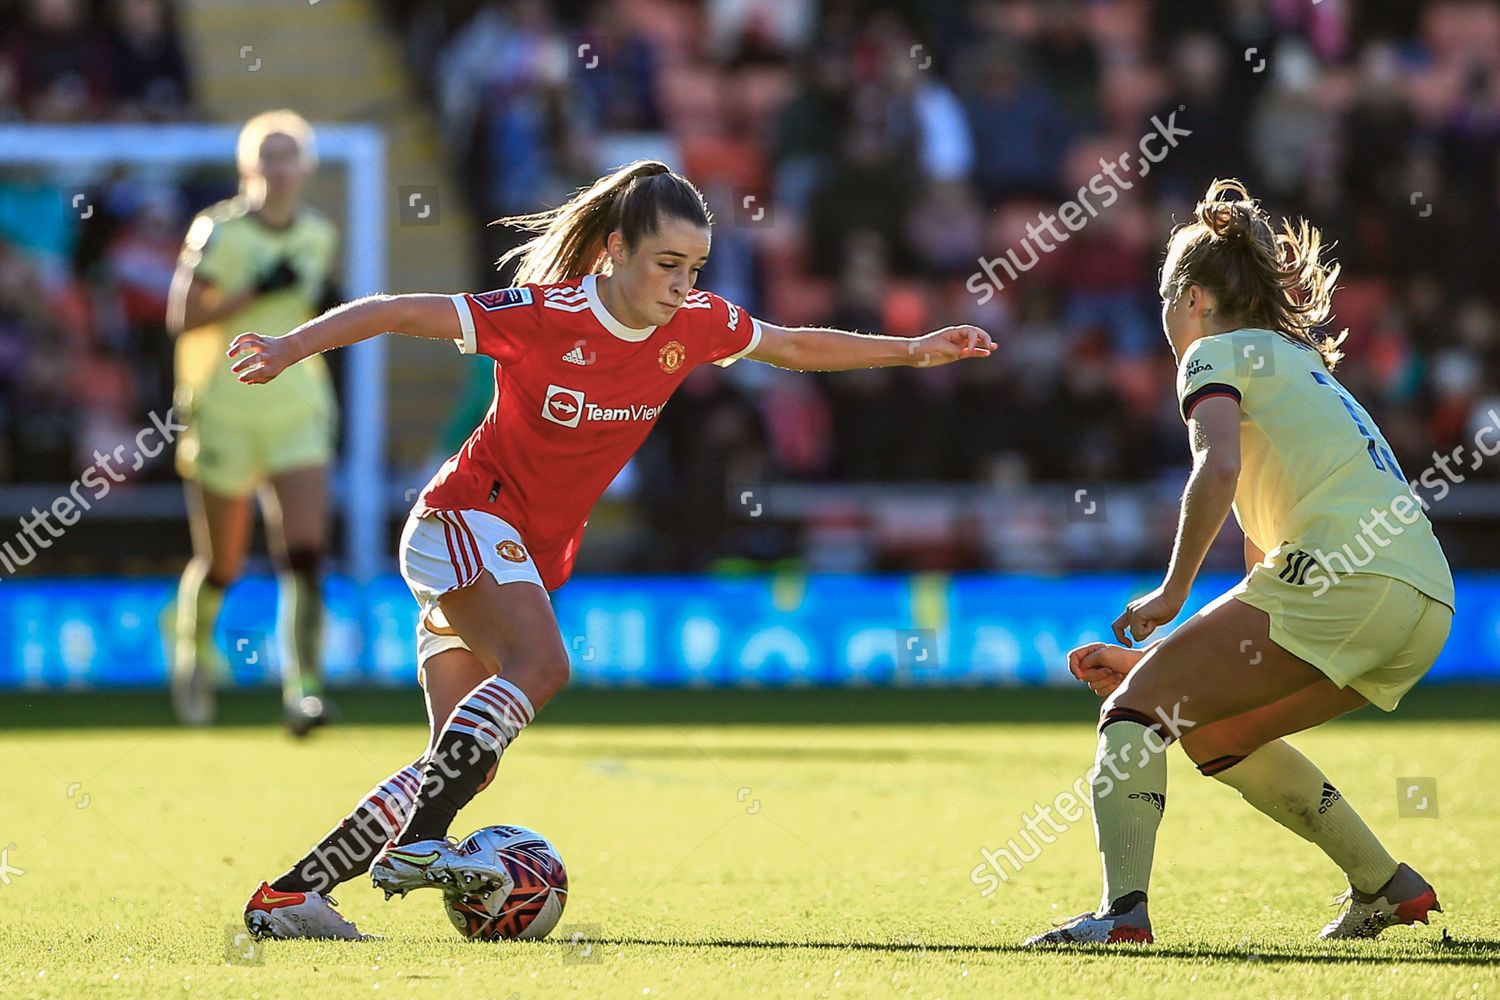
(602, 325)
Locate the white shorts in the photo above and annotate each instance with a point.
(447, 550)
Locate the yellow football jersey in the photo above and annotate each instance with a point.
(231, 248)
(1320, 492)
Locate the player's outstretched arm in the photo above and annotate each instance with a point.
(816, 349)
(1215, 432)
(261, 358)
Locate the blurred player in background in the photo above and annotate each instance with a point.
(260, 261)
(1347, 597)
(603, 325)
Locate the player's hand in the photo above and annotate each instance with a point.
(280, 275)
(951, 343)
(1144, 614)
(1101, 666)
(260, 358)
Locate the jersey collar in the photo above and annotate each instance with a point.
(631, 333)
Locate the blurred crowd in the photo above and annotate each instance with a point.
(91, 60)
(862, 160)
(83, 350)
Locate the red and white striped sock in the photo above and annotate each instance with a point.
(472, 741)
(393, 798)
(349, 848)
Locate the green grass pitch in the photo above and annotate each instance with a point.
(802, 844)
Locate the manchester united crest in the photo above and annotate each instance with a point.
(511, 551)
(671, 356)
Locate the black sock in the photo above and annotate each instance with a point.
(470, 744)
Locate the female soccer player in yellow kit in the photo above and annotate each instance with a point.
(1347, 597)
(259, 261)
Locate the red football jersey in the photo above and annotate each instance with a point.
(576, 393)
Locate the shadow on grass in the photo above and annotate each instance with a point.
(688, 707)
(1445, 951)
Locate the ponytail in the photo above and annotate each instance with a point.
(569, 240)
(1264, 277)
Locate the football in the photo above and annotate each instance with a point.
(531, 902)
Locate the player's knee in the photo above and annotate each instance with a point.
(1215, 752)
(1118, 709)
(1215, 766)
(1113, 711)
(539, 673)
(547, 674)
(1123, 702)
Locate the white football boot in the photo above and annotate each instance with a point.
(1131, 927)
(437, 864)
(271, 913)
(1405, 899)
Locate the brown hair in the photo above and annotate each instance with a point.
(570, 239)
(1261, 276)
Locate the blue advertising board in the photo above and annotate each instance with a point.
(771, 631)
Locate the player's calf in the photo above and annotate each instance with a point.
(468, 748)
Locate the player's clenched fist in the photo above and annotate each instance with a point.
(1101, 666)
(260, 359)
(952, 343)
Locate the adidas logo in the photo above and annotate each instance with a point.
(1330, 796)
(568, 298)
(1298, 563)
(1157, 799)
(575, 356)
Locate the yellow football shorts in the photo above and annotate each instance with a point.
(230, 453)
(1373, 633)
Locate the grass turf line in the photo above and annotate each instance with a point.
(820, 846)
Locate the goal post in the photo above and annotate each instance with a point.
(70, 151)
